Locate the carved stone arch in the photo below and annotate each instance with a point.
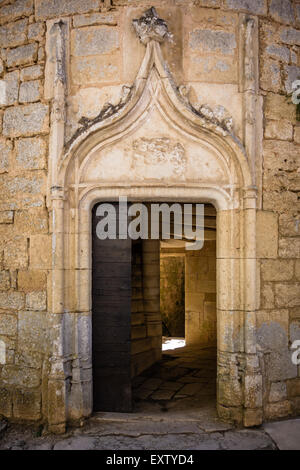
(186, 142)
(154, 90)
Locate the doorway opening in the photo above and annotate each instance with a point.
(157, 313)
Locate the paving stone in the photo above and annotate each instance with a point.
(142, 393)
(247, 440)
(171, 385)
(76, 443)
(286, 434)
(151, 384)
(162, 394)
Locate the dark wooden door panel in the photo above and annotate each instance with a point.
(111, 295)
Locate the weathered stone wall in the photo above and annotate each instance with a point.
(172, 295)
(103, 55)
(200, 297)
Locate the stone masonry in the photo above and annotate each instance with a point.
(102, 54)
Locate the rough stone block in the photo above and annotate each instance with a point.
(25, 377)
(293, 387)
(272, 330)
(26, 120)
(297, 269)
(289, 247)
(32, 331)
(33, 359)
(290, 36)
(40, 252)
(22, 55)
(282, 11)
(279, 201)
(277, 107)
(229, 392)
(212, 69)
(219, 42)
(297, 135)
(278, 410)
(9, 96)
(16, 10)
(287, 295)
(253, 391)
(5, 154)
(30, 91)
(31, 153)
(94, 40)
(44, 9)
(31, 221)
(36, 31)
(281, 130)
(13, 34)
(6, 217)
(11, 300)
(4, 280)
(16, 253)
(31, 73)
(270, 79)
(31, 280)
(94, 70)
(5, 402)
(14, 187)
(292, 73)
(257, 7)
(252, 417)
(8, 324)
(294, 331)
(279, 52)
(27, 404)
(278, 392)
(267, 296)
(108, 18)
(279, 366)
(267, 239)
(277, 270)
(36, 301)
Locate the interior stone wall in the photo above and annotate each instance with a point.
(172, 294)
(200, 296)
(103, 55)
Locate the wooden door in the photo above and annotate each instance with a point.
(111, 324)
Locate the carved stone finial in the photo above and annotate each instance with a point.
(150, 27)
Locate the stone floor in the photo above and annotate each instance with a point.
(182, 382)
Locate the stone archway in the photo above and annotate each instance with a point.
(152, 146)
